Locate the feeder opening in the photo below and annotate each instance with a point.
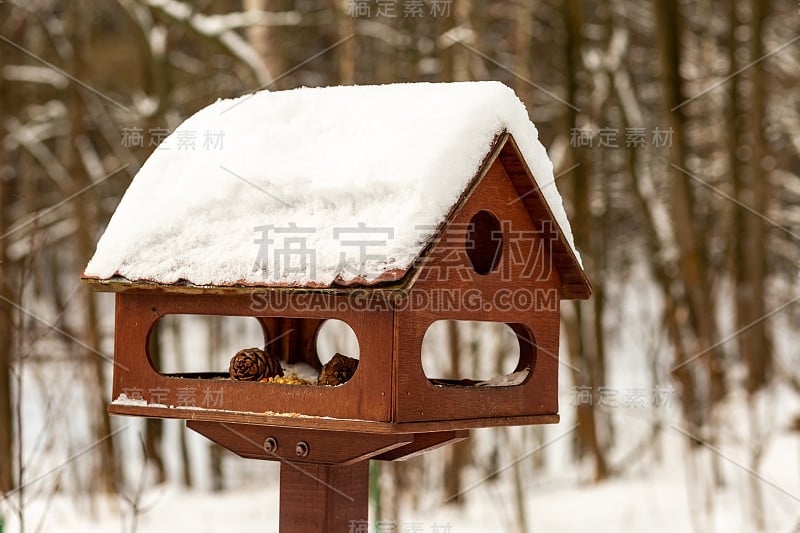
(277, 350)
(335, 336)
(200, 344)
(488, 354)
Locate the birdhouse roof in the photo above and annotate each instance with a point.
(316, 187)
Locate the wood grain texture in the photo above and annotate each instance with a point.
(323, 498)
(366, 396)
(423, 442)
(448, 271)
(574, 283)
(324, 447)
(315, 422)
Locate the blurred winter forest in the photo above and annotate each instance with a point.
(674, 129)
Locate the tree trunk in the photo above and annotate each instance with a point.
(445, 47)
(215, 450)
(6, 328)
(691, 246)
(346, 52)
(458, 453)
(692, 263)
(581, 329)
(154, 427)
(186, 465)
(517, 475)
(738, 236)
(263, 40)
(462, 57)
(523, 33)
(106, 474)
(756, 341)
(7, 432)
(758, 349)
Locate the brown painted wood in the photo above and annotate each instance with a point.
(367, 396)
(422, 443)
(390, 386)
(313, 422)
(323, 447)
(447, 270)
(323, 498)
(293, 340)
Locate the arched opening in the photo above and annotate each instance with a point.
(482, 354)
(197, 344)
(290, 351)
(336, 336)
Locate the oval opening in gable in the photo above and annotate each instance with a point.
(484, 242)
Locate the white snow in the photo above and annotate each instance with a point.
(507, 380)
(123, 399)
(302, 371)
(306, 162)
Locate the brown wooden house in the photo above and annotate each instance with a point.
(498, 254)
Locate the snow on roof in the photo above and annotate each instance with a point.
(271, 188)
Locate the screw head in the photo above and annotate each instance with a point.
(301, 449)
(271, 445)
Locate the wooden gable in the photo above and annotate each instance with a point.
(506, 188)
(517, 278)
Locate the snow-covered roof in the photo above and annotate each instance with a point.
(312, 186)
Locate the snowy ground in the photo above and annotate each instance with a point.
(653, 495)
(654, 500)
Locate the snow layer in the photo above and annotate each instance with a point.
(304, 163)
(123, 399)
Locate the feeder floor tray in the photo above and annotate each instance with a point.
(295, 420)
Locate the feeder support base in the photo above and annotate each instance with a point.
(323, 498)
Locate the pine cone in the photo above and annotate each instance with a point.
(252, 364)
(338, 370)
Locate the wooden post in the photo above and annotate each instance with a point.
(323, 498)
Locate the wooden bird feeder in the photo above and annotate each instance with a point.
(499, 255)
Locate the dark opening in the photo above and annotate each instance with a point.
(484, 242)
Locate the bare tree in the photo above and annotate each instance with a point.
(154, 427)
(755, 342)
(582, 330)
(692, 262)
(458, 453)
(6, 317)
